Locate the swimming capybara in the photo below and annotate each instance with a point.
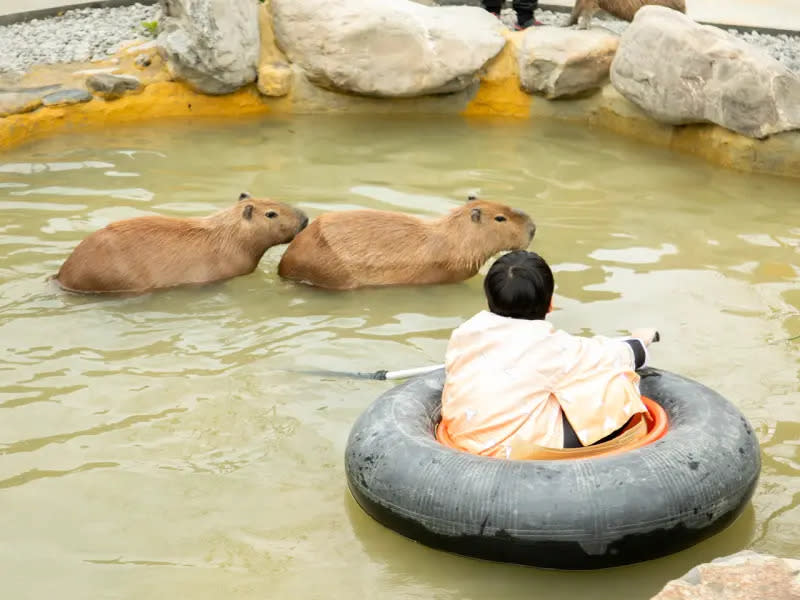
(350, 249)
(147, 253)
(583, 10)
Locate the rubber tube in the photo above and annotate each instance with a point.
(570, 514)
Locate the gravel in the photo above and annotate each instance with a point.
(783, 48)
(94, 33)
(79, 35)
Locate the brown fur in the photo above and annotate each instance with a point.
(351, 249)
(584, 10)
(147, 253)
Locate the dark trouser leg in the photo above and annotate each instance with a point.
(524, 10)
(571, 438)
(493, 5)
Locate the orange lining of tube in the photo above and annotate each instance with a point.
(657, 426)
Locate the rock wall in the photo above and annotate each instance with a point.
(674, 83)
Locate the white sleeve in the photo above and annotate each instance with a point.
(632, 351)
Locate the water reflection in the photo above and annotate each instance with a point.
(416, 568)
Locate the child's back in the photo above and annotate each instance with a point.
(511, 376)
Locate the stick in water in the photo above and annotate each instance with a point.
(406, 373)
(382, 375)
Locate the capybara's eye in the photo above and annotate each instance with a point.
(499, 218)
(271, 214)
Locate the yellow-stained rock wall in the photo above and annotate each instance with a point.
(284, 89)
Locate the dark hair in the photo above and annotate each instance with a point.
(519, 285)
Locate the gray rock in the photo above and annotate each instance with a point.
(745, 575)
(143, 61)
(110, 86)
(14, 103)
(560, 62)
(391, 48)
(213, 45)
(680, 72)
(66, 97)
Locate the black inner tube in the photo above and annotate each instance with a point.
(573, 514)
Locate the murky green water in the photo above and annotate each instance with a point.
(162, 447)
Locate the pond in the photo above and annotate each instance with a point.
(170, 445)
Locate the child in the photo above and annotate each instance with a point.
(523, 8)
(514, 383)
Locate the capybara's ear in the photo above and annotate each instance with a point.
(247, 213)
(476, 215)
(472, 198)
(244, 196)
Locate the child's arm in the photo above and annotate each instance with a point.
(639, 340)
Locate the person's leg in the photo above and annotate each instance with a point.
(493, 6)
(571, 438)
(525, 10)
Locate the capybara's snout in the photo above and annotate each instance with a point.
(301, 220)
(531, 226)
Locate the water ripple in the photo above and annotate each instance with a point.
(33, 444)
(35, 474)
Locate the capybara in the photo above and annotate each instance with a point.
(584, 10)
(147, 253)
(350, 249)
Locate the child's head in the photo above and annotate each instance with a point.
(519, 285)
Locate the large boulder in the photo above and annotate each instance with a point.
(391, 48)
(680, 72)
(213, 45)
(557, 62)
(745, 575)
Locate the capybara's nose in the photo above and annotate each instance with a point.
(303, 223)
